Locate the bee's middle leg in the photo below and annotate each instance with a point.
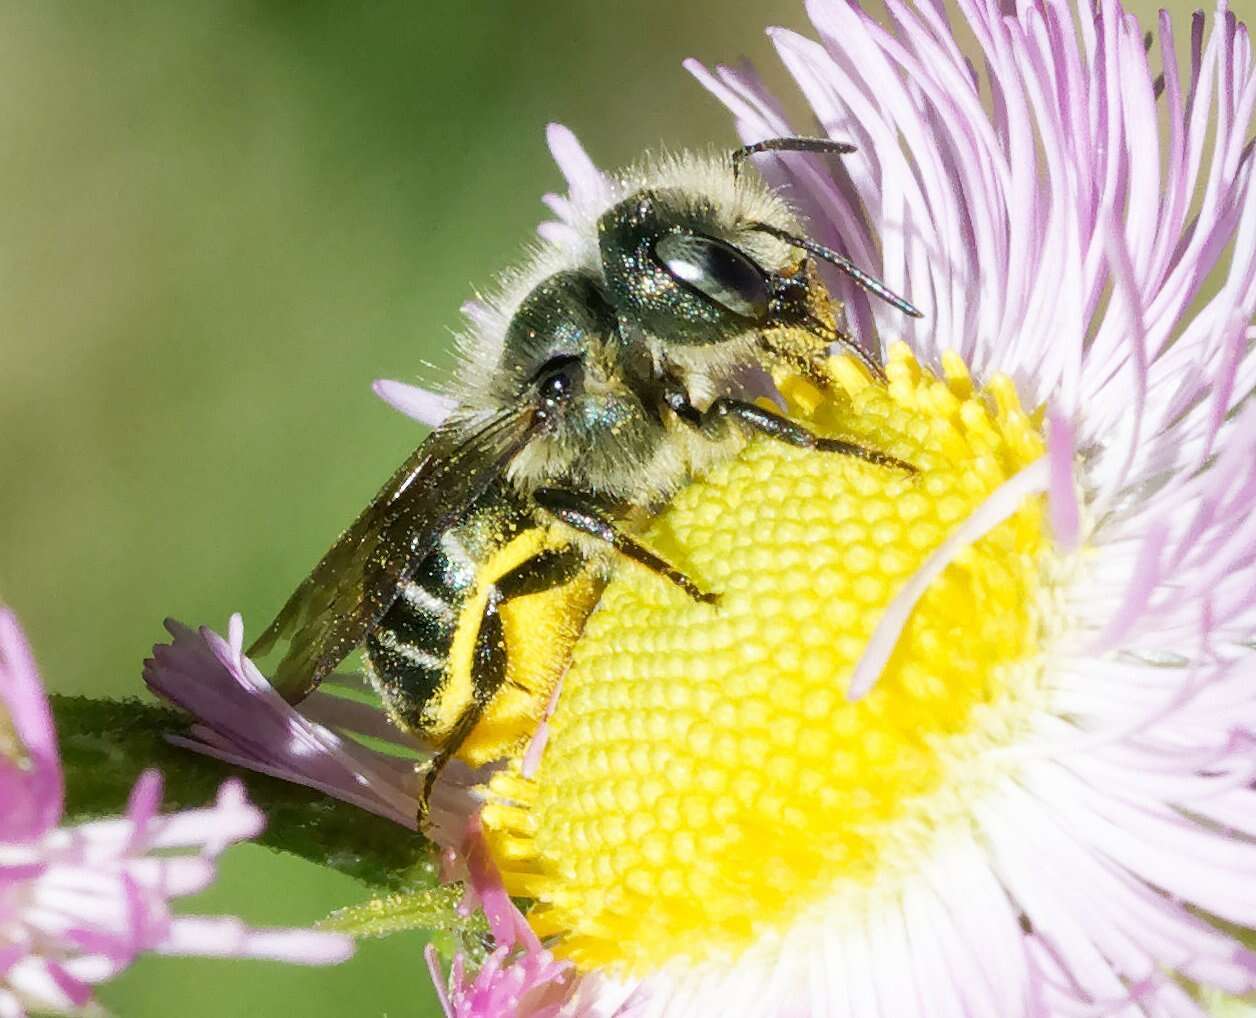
(581, 513)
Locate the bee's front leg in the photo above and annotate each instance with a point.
(767, 422)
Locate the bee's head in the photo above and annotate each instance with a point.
(703, 257)
(692, 266)
(563, 360)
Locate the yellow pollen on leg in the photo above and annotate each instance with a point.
(706, 781)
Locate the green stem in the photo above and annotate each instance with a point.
(106, 744)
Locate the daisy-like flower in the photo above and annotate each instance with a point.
(78, 904)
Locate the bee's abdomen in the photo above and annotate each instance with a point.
(408, 653)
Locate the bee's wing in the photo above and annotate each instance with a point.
(357, 581)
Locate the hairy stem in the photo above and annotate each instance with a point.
(106, 744)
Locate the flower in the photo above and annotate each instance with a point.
(426, 407)
(241, 720)
(78, 904)
(946, 746)
(519, 977)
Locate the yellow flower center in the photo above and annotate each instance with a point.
(706, 778)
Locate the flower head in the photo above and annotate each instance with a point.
(78, 904)
(520, 977)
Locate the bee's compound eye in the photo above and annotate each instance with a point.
(716, 270)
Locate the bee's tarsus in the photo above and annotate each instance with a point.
(448, 751)
(425, 796)
(873, 456)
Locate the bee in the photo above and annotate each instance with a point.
(603, 379)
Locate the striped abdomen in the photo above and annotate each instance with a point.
(409, 652)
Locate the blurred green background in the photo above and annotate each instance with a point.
(222, 221)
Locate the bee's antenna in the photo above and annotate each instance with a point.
(740, 155)
(861, 278)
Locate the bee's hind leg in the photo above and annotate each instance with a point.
(488, 672)
(545, 570)
(437, 764)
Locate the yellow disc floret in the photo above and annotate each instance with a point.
(706, 778)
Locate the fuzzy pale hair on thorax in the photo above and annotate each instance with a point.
(696, 180)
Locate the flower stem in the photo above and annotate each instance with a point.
(106, 744)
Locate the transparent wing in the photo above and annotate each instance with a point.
(357, 581)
